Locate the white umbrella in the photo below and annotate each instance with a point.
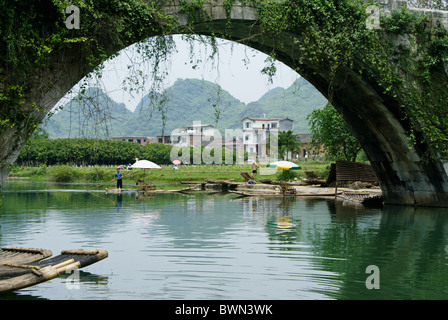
(284, 165)
(145, 164)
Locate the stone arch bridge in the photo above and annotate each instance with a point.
(405, 177)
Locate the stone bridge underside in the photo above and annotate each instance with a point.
(404, 177)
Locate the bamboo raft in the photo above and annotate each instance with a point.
(365, 198)
(25, 267)
(281, 195)
(116, 191)
(264, 193)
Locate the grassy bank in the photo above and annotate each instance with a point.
(164, 176)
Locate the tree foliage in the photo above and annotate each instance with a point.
(330, 34)
(287, 142)
(332, 133)
(85, 152)
(82, 151)
(33, 37)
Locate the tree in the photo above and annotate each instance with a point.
(39, 134)
(287, 142)
(332, 134)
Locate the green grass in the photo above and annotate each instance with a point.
(164, 176)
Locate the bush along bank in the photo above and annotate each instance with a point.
(97, 152)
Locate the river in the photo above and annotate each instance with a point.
(219, 246)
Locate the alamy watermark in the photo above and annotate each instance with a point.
(202, 144)
(373, 12)
(73, 21)
(373, 20)
(373, 280)
(72, 281)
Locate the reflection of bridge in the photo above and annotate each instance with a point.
(373, 113)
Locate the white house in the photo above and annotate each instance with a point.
(257, 130)
(197, 134)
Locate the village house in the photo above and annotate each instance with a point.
(165, 139)
(257, 130)
(140, 140)
(197, 134)
(308, 149)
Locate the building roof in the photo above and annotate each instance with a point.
(197, 125)
(266, 119)
(131, 137)
(305, 137)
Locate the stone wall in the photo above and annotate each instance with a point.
(388, 6)
(215, 10)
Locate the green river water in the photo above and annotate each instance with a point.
(219, 246)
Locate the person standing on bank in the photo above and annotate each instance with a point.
(254, 170)
(119, 177)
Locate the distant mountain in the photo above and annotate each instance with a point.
(295, 102)
(94, 114)
(271, 93)
(190, 100)
(187, 100)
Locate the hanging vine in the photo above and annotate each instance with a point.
(332, 34)
(33, 36)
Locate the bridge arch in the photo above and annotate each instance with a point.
(410, 174)
(406, 174)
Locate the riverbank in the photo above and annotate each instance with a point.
(160, 177)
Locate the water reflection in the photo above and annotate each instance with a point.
(406, 243)
(119, 202)
(174, 246)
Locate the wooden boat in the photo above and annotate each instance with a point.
(25, 267)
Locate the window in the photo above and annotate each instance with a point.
(247, 125)
(274, 125)
(247, 137)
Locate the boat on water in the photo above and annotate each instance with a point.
(25, 267)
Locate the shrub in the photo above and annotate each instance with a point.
(96, 174)
(39, 171)
(61, 173)
(286, 175)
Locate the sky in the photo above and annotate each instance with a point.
(236, 68)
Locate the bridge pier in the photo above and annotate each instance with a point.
(406, 174)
